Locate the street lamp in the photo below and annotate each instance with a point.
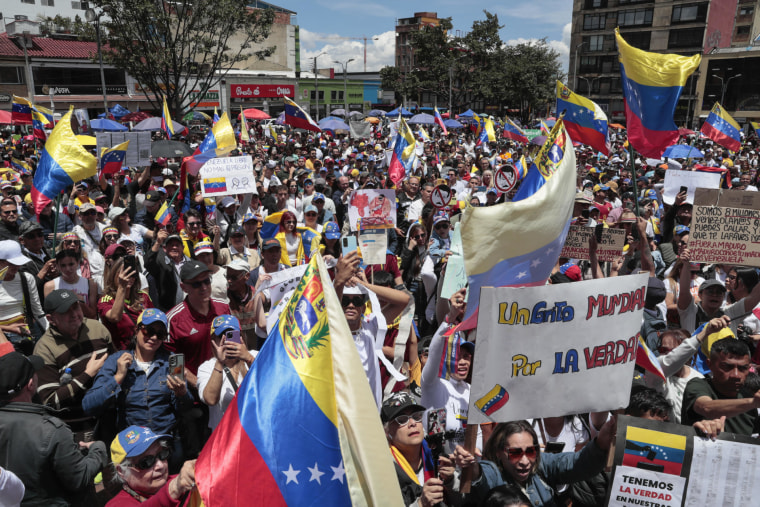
(575, 72)
(316, 84)
(91, 16)
(724, 86)
(345, 83)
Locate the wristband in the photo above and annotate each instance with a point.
(220, 371)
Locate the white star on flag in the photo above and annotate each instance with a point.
(315, 474)
(522, 274)
(534, 263)
(338, 473)
(291, 474)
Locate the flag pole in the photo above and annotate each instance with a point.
(55, 220)
(634, 178)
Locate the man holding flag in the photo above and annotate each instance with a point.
(403, 155)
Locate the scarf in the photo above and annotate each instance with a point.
(427, 463)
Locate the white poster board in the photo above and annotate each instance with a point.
(692, 180)
(376, 208)
(634, 486)
(228, 176)
(561, 341)
(374, 245)
(138, 151)
(455, 277)
(282, 282)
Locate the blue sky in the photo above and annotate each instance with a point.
(323, 24)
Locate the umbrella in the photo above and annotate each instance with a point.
(468, 114)
(550, 122)
(333, 125)
(154, 123)
(338, 112)
(376, 112)
(405, 113)
(135, 117)
(195, 115)
(372, 119)
(280, 119)
(170, 149)
(5, 117)
(538, 140)
(452, 124)
(255, 114)
(355, 113)
(118, 111)
(682, 151)
(617, 126)
(422, 119)
(87, 140)
(107, 125)
(327, 118)
(685, 132)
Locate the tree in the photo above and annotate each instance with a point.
(182, 48)
(531, 72)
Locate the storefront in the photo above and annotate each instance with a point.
(264, 96)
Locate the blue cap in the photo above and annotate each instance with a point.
(681, 229)
(310, 208)
(318, 196)
(223, 323)
(132, 442)
(151, 315)
(331, 230)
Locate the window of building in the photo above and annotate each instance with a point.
(594, 21)
(628, 2)
(27, 2)
(47, 3)
(742, 31)
(638, 40)
(80, 5)
(689, 13)
(12, 75)
(336, 95)
(635, 17)
(690, 37)
(589, 64)
(746, 10)
(321, 95)
(596, 4)
(594, 43)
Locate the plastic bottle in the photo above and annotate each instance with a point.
(66, 377)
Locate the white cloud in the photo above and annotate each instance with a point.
(561, 46)
(555, 12)
(380, 51)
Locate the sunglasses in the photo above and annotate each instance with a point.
(149, 462)
(112, 236)
(515, 454)
(357, 301)
(158, 333)
(10, 212)
(442, 226)
(419, 236)
(193, 224)
(90, 213)
(289, 222)
(71, 242)
(198, 285)
(404, 419)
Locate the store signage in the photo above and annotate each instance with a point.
(245, 91)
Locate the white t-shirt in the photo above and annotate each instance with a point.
(90, 239)
(136, 234)
(11, 489)
(215, 412)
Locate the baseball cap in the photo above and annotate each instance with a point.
(681, 229)
(310, 208)
(112, 249)
(10, 251)
(203, 247)
(28, 227)
(132, 442)
(269, 244)
(15, 371)
(318, 197)
(227, 201)
(237, 230)
(239, 265)
(223, 323)
(597, 188)
(250, 215)
(397, 403)
(60, 300)
(331, 230)
(441, 216)
(151, 315)
(572, 271)
(86, 207)
(191, 269)
(707, 284)
(153, 196)
(173, 237)
(115, 212)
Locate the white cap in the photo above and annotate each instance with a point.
(10, 251)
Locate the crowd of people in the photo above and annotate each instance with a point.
(98, 299)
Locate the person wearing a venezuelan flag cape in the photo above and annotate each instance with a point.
(354, 292)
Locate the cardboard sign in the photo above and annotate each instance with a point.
(564, 342)
(725, 227)
(375, 208)
(505, 178)
(228, 176)
(692, 180)
(374, 245)
(609, 249)
(441, 196)
(138, 151)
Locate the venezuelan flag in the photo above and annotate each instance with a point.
(664, 450)
(21, 166)
(584, 120)
(545, 128)
(403, 155)
(722, 129)
(303, 428)
(450, 355)
(439, 121)
(219, 142)
(423, 134)
(756, 126)
(652, 84)
(214, 185)
(63, 162)
(647, 360)
(244, 136)
(166, 121)
(271, 225)
(162, 215)
(112, 159)
(310, 239)
(38, 125)
(493, 400)
(489, 130)
(525, 235)
(48, 114)
(512, 131)
(216, 115)
(21, 111)
(298, 118)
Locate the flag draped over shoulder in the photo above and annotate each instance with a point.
(652, 84)
(63, 162)
(584, 120)
(403, 155)
(166, 121)
(111, 159)
(219, 142)
(439, 121)
(513, 132)
(518, 243)
(298, 118)
(303, 428)
(722, 128)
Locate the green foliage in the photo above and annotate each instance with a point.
(174, 48)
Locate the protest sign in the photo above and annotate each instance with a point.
(505, 178)
(282, 282)
(609, 249)
(374, 245)
(455, 276)
(441, 196)
(632, 486)
(725, 227)
(564, 342)
(376, 208)
(138, 151)
(692, 180)
(228, 176)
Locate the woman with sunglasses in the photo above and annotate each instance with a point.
(121, 220)
(140, 467)
(70, 241)
(220, 376)
(291, 241)
(87, 290)
(512, 456)
(412, 258)
(110, 237)
(137, 384)
(122, 302)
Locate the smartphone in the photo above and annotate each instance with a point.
(598, 232)
(554, 447)
(177, 365)
(684, 190)
(233, 335)
(585, 214)
(349, 244)
(130, 261)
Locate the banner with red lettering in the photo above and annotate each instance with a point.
(545, 351)
(255, 91)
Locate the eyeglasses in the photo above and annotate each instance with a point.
(158, 333)
(193, 224)
(71, 242)
(404, 419)
(201, 283)
(515, 454)
(149, 462)
(357, 301)
(419, 236)
(10, 212)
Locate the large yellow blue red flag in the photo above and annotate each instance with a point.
(440, 122)
(112, 159)
(584, 120)
(63, 162)
(166, 121)
(526, 235)
(722, 128)
(652, 84)
(220, 141)
(303, 428)
(403, 155)
(512, 131)
(21, 111)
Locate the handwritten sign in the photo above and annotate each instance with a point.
(609, 249)
(564, 342)
(282, 282)
(692, 180)
(375, 208)
(725, 227)
(228, 176)
(633, 486)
